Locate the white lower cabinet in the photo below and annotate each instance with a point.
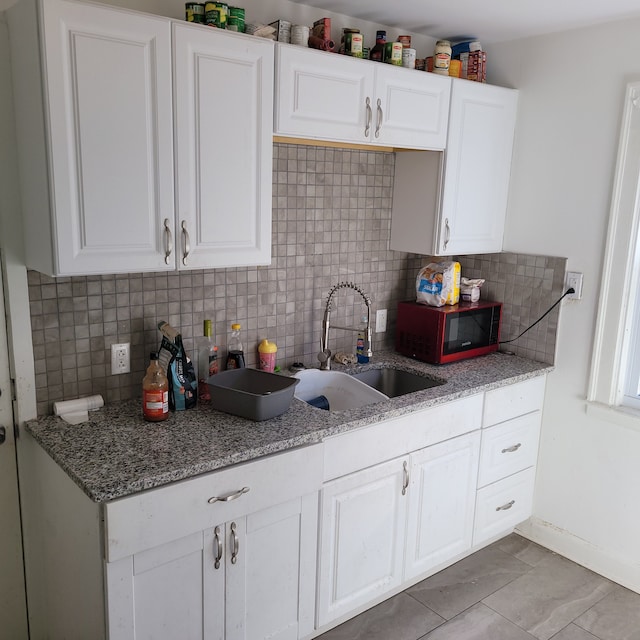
(243, 579)
(441, 503)
(361, 538)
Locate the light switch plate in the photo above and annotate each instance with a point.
(381, 320)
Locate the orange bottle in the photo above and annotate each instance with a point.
(155, 392)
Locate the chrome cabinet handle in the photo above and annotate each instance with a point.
(217, 548)
(186, 246)
(405, 480)
(367, 126)
(379, 120)
(506, 507)
(228, 498)
(447, 233)
(515, 447)
(168, 241)
(235, 543)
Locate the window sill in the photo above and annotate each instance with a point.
(622, 416)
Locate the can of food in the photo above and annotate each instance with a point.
(455, 67)
(353, 42)
(420, 64)
(406, 41)
(366, 52)
(194, 12)
(409, 58)
(300, 35)
(215, 14)
(393, 53)
(236, 17)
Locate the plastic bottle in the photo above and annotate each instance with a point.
(362, 342)
(235, 355)
(267, 355)
(377, 52)
(442, 57)
(207, 361)
(155, 391)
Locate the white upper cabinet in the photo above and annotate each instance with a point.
(224, 130)
(330, 97)
(455, 203)
(94, 136)
(95, 99)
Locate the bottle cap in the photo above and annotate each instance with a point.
(267, 347)
(236, 327)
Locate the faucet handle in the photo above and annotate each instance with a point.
(324, 357)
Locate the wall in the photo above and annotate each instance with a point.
(588, 485)
(331, 223)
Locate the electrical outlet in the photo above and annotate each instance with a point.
(381, 320)
(574, 279)
(120, 358)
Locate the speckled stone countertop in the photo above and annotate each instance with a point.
(116, 453)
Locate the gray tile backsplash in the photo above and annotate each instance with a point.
(331, 222)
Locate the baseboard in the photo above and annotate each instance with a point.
(615, 568)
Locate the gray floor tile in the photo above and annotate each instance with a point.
(400, 618)
(465, 583)
(478, 623)
(572, 632)
(549, 596)
(615, 617)
(523, 549)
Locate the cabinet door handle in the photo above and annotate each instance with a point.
(405, 478)
(515, 447)
(230, 497)
(186, 245)
(168, 241)
(218, 547)
(379, 120)
(506, 507)
(367, 126)
(447, 233)
(235, 543)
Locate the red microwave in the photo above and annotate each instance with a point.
(438, 335)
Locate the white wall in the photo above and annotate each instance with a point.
(572, 88)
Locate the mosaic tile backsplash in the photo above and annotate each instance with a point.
(331, 223)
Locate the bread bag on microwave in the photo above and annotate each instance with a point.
(438, 284)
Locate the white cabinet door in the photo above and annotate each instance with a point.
(110, 131)
(323, 96)
(343, 99)
(442, 494)
(270, 588)
(361, 537)
(224, 131)
(477, 169)
(411, 109)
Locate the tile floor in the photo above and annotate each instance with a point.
(511, 590)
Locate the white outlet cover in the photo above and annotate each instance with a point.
(120, 358)
(381, 320)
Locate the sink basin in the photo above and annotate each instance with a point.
(396, 382)
(341, 390)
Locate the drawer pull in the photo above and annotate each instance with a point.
(515, 447)
(405, 479)
(229, 498)
(506, 507)
(218, 548)
(235, 544)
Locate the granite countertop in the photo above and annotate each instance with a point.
(116, 453)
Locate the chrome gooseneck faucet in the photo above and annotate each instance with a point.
(325, 353)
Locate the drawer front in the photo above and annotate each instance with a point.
(349, 452)
(157, 516)
(502, 505)
(513, 401)
(509, 447)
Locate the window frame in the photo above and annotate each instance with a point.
(616, 353)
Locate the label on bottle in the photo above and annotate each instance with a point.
(155, 404)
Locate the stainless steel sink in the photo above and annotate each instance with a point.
(396, 382)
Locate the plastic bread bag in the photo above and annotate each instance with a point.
(438, 284)
(470, 289)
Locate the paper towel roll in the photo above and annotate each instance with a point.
(77, 411)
